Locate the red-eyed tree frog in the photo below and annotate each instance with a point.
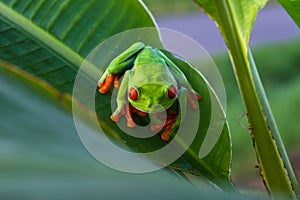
(152, 83)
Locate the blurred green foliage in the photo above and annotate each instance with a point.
(163, 7)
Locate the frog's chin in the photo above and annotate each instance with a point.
(136, 110)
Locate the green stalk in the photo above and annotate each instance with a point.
(272, 124)
(277, 178)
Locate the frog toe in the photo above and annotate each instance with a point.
(169, 126)
(105, 85)
(119, 112)
(165, 136)
(100, 85)
(130, 123)
(193, 100)
(199, 97)
(115, 118)
(116, 80)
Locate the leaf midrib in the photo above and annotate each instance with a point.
(39, 35)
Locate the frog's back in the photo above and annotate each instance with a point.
(150, 67)
(146, 56)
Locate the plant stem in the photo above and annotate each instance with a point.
(276, 177)
(273, 127)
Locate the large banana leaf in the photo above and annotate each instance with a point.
(50, 39)
(292, 8)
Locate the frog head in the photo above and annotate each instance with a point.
(152, 97)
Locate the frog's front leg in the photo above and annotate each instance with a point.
(118, 66)
(122, 103)
(105, 85)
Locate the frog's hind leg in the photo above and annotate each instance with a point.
(118, 66)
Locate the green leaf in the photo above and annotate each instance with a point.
(243, 14)
(42, 157)
(292, 8)
(50, 39)
(235, 20)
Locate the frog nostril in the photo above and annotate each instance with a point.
(150, 104)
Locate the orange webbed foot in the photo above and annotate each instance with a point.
(105, 85)
(109, 80)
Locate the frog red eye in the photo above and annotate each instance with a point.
(172, 92)
(133, 94)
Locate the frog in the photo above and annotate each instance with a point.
(151, 83)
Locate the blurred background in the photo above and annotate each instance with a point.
(275, 45)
